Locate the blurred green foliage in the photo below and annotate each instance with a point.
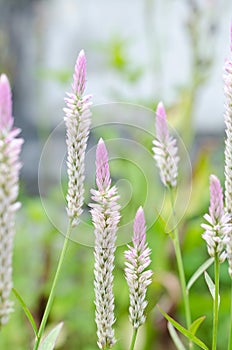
(37, 247)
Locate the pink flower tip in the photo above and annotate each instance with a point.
(79, 76)
(161, 123)
(213, 179)
(215, 187)
(216, 198)
(102, 167)
(160, 111)
(4, 79)
(6, 119)
(139, 227)
(231, 36)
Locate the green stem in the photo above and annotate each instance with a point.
(134, 336)
(230, 329)
(182, 278)
(52, 292)
(180, 266)
(215, 304)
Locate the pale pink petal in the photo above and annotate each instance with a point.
(79, 77)
(6, 119)
(102, 167)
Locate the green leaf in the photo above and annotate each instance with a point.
(50, 341)
(26, 310)
(196, 324)
(175, 337)
(199, 272)
(183, 330)
(211, 286)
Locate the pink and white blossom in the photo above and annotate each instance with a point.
(137, 276)
(10, 148)
(165, 149)
(218, 222)
(78, 122)
(105, 217)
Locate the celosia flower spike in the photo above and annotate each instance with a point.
(228, 149)
(137, 277)
(165, 149)
(10, 148)
(105, 217)
(77, 121)
(218, 223)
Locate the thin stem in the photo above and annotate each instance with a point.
(180, 266)
(230, 329)
(215, 304)
(134, 336)
(52, 292)
(182, 278)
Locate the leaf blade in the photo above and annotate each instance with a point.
(211, 286)
(183, 330)
(50, 341)
(199, 272)
(175, 337)
(196, 324)
(26, 311)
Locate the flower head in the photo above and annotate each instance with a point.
(77, 121)
(10, 148)
(165, 149)
(137, 277)
(218, 223)
(105, 217)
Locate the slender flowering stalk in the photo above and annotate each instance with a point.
(10, 148)
(137, 277)
(77, 121)
(228, 165)
(216, 236)
(165, 153)
(105, 217)
(228, 148)
(228, 123)
(165, 150)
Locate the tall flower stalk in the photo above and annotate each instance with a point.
(216, 232)
(165, 149)
(10, 148)
(228, 165)
(105, 217)
(77, 121)
(166, 156)
(137, 277)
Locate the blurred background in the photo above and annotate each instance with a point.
(138, 53)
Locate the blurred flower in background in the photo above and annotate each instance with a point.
(171, 51)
